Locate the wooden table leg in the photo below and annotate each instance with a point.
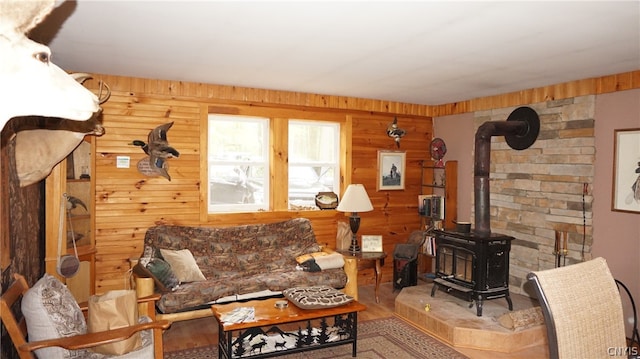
(378, 277)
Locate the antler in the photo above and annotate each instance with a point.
(82, 77)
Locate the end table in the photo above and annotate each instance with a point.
(368, 260)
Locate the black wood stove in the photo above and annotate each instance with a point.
(472, 267)
(475, 266)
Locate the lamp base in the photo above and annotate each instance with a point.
(354, 247)
(354, 223)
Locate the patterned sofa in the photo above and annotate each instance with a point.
(239, 262)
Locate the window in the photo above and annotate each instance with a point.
(314, 162)
(238, 162)
(259, 162)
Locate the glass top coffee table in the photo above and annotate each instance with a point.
(279, 331)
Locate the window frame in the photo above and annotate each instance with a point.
(241, 207)
(336, 128)
(278, 138)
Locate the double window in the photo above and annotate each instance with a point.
(245, 174)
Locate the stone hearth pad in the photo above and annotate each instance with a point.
(455, 322)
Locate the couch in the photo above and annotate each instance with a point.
(232, 263)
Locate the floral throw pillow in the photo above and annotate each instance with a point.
(51, 312)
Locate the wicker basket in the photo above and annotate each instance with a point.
(326, 200)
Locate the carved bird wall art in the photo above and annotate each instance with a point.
(159, 151)
(74, 202)
(395, 132)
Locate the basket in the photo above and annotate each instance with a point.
(326, 200)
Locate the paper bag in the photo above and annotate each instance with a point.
(343, 237)
(112, 310)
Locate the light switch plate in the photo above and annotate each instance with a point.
(122, 161)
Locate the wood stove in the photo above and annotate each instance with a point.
(472, 267)
(475, 266)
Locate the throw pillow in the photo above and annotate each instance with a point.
(160, 271)
(183, 265)
(51, 312)
(316, 297)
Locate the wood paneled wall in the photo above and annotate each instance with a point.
(127, 202)
(591, 86)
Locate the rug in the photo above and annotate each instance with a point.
(386, 338)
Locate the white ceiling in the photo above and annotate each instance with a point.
(422, 52)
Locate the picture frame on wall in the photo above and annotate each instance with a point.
(626, 171)
(371, 243)
(391, 166)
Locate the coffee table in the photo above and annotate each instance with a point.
(278, 331)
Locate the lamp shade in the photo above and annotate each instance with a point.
(355, 199)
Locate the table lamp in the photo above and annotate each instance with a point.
(355, 200)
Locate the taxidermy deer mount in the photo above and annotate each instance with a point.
(43, 100)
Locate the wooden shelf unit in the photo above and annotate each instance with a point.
(64, 179)
(441, 181)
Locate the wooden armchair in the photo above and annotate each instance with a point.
(17, 329)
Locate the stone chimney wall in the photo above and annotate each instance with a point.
(536, 191)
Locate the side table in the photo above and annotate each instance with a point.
(367, 260)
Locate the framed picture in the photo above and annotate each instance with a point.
(626, 171)
(371, 243)
(391, 165)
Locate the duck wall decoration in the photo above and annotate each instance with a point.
(395, 132)
(158, 150)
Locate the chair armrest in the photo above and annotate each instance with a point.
(89, 340)
(351, 270)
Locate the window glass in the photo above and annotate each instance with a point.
(313, 161)
(238, 162)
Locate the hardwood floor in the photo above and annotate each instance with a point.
(201, 332)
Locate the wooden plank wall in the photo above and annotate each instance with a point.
(127, 202)
(591, 86)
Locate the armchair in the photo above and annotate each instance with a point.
(582, 310)
(17, 329)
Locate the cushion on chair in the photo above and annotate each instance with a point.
(51, 311)
(316, 297)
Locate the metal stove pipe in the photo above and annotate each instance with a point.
(482, 168)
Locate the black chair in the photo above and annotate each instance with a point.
(405, 261)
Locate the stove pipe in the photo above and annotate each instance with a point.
(520, 130)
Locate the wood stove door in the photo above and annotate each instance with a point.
(456, 264)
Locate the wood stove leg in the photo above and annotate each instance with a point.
(508, 298)
(433, 290)
(479, 306)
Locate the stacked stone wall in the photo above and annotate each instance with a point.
(538, 191)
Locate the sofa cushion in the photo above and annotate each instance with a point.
(196, 295)
(336, 278)
(183, 265)
(51, 311)
(316, 297)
